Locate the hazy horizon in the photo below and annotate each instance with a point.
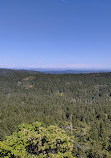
(57, 69)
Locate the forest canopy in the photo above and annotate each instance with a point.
(79, 104)
(34, 140)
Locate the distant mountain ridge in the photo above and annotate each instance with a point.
(68, 71)
(54, 71)
(76, 71)
(4, 71)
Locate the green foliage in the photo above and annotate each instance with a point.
(26, 97)
(34, 140)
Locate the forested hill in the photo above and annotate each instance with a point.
(5, 72)
(78, 101)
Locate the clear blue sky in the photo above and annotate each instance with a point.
(55, 33)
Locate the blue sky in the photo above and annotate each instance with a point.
(55, 33)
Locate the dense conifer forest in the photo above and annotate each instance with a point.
(75, 106)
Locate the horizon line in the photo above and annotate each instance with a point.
(54, 68)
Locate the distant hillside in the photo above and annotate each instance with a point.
(75, 71)
(13, 71)
(68, 71)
